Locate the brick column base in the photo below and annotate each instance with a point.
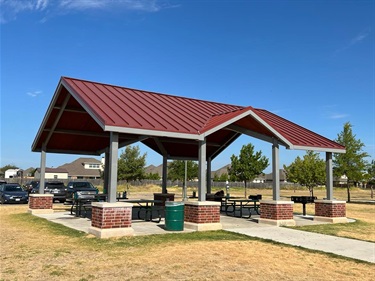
(277, 213)
(330, 211)
(202, 216)
(111, 219)
(40, 203)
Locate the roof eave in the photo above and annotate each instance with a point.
(145, 132)
(318, 149)
(45, 118)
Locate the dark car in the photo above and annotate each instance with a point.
(29, 186)
(57, 188)
(74, 186)
(13, 193)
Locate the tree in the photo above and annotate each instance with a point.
(152, 176)
(176, 170)
(248, 165)
(352, 162)
(309, 171)
(371, 171)
(131, 165)
(7, 167)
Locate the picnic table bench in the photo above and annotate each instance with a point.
(81, 202)
(235, 207)
(148, 208)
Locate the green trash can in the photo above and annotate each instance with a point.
(174, 215)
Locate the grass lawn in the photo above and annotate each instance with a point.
(35, 249)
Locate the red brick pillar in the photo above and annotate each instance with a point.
(330, 211)
(277, 213)
(202, 216)
(40, 203)
(111, 219)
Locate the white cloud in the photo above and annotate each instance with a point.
(338, 115)
(10, 9)
(355, 40)
(332, 112)
(34, 93)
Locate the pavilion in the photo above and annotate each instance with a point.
(93, 118)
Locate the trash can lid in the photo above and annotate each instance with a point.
(173, 203)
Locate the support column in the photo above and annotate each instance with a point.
(276, 212)
(330, 211)
(113, 163)
(111, 219)
(202, 216)
(106, 172)
(40, 203)
(165, 174)
(209, 175)
(202, 187)
(275, 171)
(42, 169)
(329, 176)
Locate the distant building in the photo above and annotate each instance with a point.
(84, 168)
(11, 173)
(52, 173)
(269, 177)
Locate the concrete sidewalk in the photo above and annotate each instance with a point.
(360, 250)
(356, 249)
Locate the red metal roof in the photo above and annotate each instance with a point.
(82, 113)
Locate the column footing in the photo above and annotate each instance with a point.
(290, 222)
(111, 232)
(203, 226)
(331, 220)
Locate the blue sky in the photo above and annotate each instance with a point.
(311, 62)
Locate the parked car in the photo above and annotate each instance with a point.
(57, 188)
(13, 193)
(30, 185)
(74, 186)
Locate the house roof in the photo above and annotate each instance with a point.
(58, 170)
(82, 114)
(77, 168)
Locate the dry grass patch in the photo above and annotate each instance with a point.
(34, 249)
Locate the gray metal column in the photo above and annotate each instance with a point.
(329, 176)
(165, 174)
(113, 163)
(202, 187)
(106, 171)
(209, 175)
(42, 169)
(275, 171)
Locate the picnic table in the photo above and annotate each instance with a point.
(81, 202)
(238, 205)
(148, 207)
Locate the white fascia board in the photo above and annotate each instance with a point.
(256, 117)
(46, 116)
(85, 107)
(288, 144)
(145, 132)
(319, 149)
(225, 124)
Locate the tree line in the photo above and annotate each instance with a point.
(309, 171)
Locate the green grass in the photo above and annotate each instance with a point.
(335, 228)
(44, 225)
(145, 242)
